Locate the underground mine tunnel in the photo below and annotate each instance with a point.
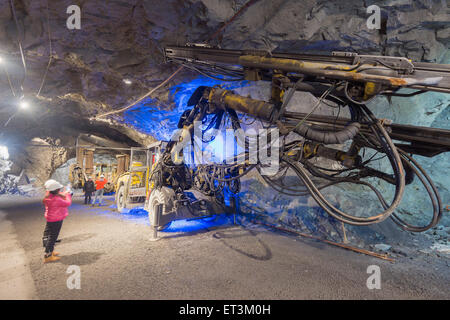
(226, 150)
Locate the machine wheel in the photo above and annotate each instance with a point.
(164, 196)
(109, 187)
(120, 199)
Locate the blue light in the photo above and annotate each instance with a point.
(151, 118)
(189, 225)
(221, 148)
(138, 211)
(140, 216)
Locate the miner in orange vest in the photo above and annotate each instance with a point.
(99, 189)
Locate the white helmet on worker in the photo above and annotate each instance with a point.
(52, 185)
(102, 176)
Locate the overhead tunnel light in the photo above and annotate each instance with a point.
(127, 81)
(24, 105)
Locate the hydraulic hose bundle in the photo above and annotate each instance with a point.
(212, 178)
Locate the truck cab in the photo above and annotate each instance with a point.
(132, 186)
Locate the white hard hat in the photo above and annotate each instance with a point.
(52, 185)
(102, 176)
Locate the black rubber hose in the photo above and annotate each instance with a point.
(436, 202)
(399, 174)
(431, 190)
(333, 137)
(329, 137)
(332, 210)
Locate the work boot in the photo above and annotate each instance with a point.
(51, 258)
(54, 253)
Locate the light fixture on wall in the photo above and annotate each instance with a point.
(4, 152)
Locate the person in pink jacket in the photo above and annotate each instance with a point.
(56, 204)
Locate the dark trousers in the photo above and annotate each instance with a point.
(51, 234)
(87, 197)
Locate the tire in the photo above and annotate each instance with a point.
(109, 187)
(120, 199)
(164, 196)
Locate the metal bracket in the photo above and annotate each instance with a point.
(397, 63)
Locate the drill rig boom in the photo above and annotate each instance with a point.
(365, 76)
(390, 72)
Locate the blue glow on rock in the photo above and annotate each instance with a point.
(153, 118)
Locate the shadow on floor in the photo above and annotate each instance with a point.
(81, 259)
(251, 246)
(76, 238)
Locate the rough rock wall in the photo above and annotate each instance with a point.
(416, 29)
(118, 41)
(8, 183)
(40, 162)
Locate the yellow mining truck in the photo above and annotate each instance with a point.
(132, 186)
(85, 167)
